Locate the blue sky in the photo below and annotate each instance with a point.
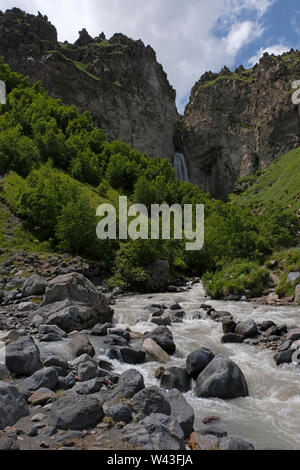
(189, 36)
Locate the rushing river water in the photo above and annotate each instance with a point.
(270, 417)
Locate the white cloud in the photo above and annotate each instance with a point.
(189, 36)
(276, 49)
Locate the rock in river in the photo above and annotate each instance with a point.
(222, 378)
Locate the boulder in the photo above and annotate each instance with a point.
(229, 326)
(163, 337)
(293, 277)
(34, 286)
(43, 378)
(285, 346)
(247, 329)
(151, 400)
(232, 338)
(266, 325)
(222, 378)
(72, 302)
(207, 442)
(131, 356)
(4, 372)
(8, 337)
(75, 412)
(234, 443)
(9, 441)
(162, 320)
(120, 413)
(219, 316)
(293, 335)
(80, 345)
(158, 275)
(65, 383)
(101, 330)
(13, 406)
(181, 411)
(41, 397)
(89, 387)
(197, 361)
(177, 378)
(156, 432)
(53, 361)
(276, 331)
(130, 383)
(155, 352)
(54, 329)
(284, 357)
(87, 371)
(23, 357)
(115, 340)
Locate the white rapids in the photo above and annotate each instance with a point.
(270, 417)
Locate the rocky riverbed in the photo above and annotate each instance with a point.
(87, 369)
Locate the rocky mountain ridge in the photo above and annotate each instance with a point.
(239, 122)
(118, 80)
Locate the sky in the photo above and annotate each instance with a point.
(189, 36)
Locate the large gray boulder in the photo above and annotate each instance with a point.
(163, 337)
(181, 411)
(293, 276)
(34, 286)
(197, 361)
(80, 345)
(13, 406)
(151, 400)
(72, 302)
(156, 432)
(155, 352)
(130, 383)
(23, 357)
(120, 413)
(75, 412)
(247, 329)
(87, 371)
(43, 378)
(175, 377)
(89, 387)
(222, 378)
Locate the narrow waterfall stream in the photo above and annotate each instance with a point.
(270, 417)
(181, 170)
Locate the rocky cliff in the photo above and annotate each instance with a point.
(238, 122)
(118, 80)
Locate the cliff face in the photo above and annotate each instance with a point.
(118, 80)
(238, 122)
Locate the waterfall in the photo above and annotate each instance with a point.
(181, 170)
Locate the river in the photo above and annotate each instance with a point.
(270, 417)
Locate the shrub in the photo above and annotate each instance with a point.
(240, 277)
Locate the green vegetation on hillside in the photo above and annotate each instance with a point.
(58, 168)
(279, 185)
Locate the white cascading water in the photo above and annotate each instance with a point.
(181, 170)
(270, 417)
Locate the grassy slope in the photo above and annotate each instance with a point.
(13, 233)
(280, 183)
